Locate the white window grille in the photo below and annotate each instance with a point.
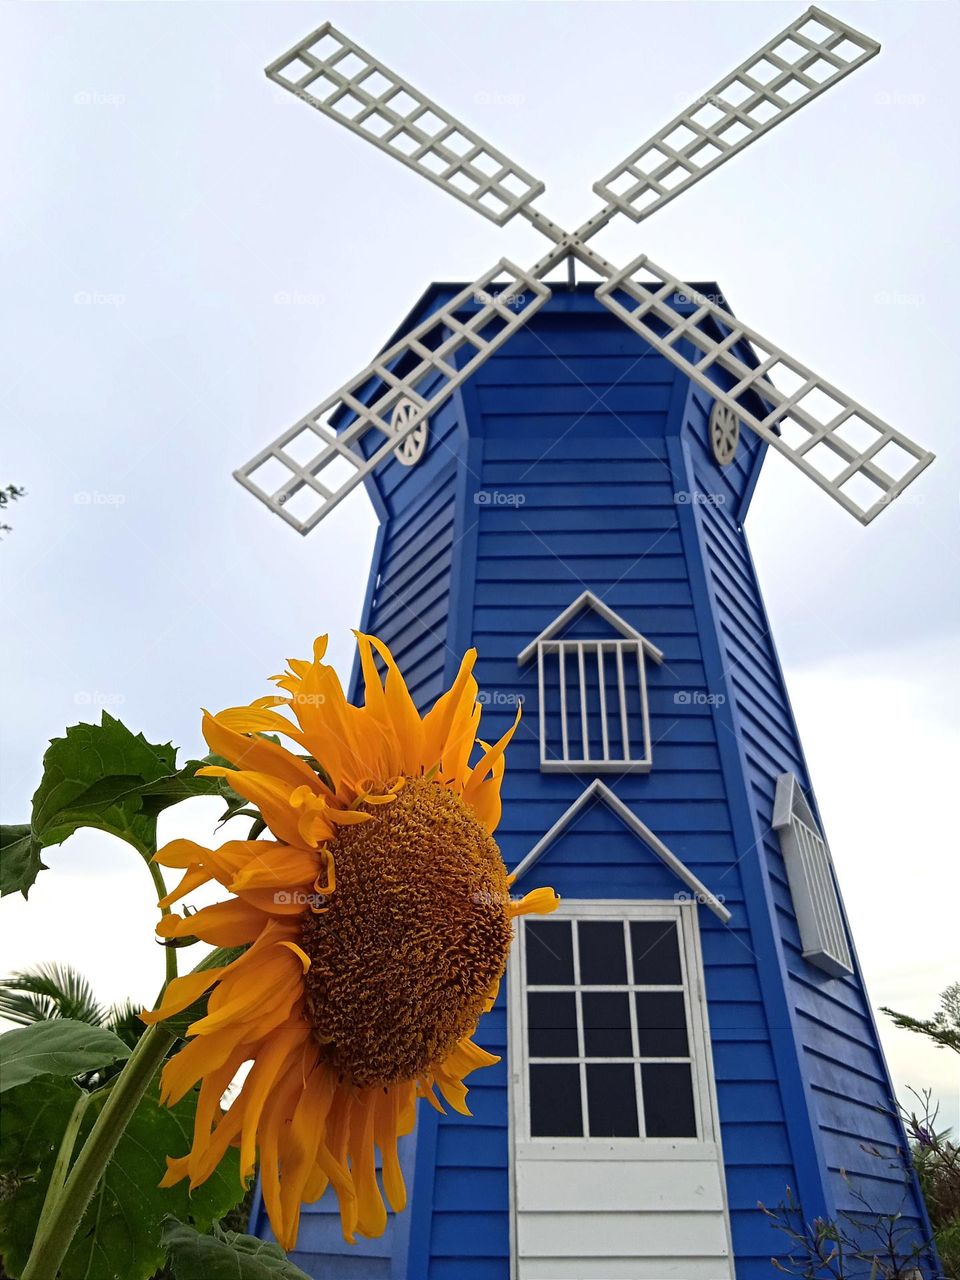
(610, 1039)
(593, 705)
(810, 874)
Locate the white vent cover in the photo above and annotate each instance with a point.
(594, 711)
(810, 873)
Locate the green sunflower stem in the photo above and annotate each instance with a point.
(64, 1155)
(170, 953)
(59, 1223)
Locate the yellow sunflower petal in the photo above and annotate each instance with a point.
(227, 733)
(371, 1214)
(451, 714)
(224, 924)
(181, 993)
(341, 1025)
(278, 866)
(539, 902)
(386, 1127)
(401, 710)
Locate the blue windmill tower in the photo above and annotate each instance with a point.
(561, 473)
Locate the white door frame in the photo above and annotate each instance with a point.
(705, 1147)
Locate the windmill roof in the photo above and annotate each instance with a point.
(579, 297)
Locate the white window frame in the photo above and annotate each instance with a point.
(813, 888)
(580, 653)
(703, 1147)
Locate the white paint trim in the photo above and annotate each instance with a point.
(823, 934)
(706, 1150)
(635, 757)
(587, 600)
(599, 791)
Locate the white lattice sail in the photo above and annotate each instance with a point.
(859, 459)
(331, 72)
(796, 66)
(312, 466)
(856, 457)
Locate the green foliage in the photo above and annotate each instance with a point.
(9, 493)
(943, 1028)
(937, 1162)
(60, 1047)
(120, 1234)
(124, 1020)
(59, 1063)
(108, 778)
(49, 991)
(20, 862)
(851, 1246)
(53, 991)
(225, 1255)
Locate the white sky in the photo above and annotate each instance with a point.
(156, 172)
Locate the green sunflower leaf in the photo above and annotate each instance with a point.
(60, 1047)
(225, 1255)
(105, 777)
(90, 779)
(19, 858)
(119, 1235)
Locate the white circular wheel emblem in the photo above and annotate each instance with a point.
(724, 433)
(410, 450)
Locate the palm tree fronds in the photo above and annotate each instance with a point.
(49, 991)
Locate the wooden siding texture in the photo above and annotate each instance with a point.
(840, 1054)
(554, 470)
(579, 492)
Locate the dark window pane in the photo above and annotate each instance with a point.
(656, 955)
(661, 1024)
(606, 1024)
(603, 960)
(668, 1100)
(612, 1100)
(552, 1024)
(555, 1110)
(549, 950)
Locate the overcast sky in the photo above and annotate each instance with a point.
(192, 259)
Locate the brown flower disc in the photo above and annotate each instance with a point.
(416, 934)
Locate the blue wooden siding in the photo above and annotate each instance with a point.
(848, 1085)
(577, 490)
(577, 459)
(409, 598)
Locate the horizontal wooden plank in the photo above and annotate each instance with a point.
(616, 592)
(470, 1235)
(327, 1266)
(577, 569)
(645, 512)
(467, 1269)
(614, 1186)
(481, 1146)
(618, 1235)
(539, 367)
(758, 1100)
(572, 399)
(748, 1143)
(502, 544)
(470, 1189)
(676, 1267)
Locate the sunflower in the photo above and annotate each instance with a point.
(376, 924)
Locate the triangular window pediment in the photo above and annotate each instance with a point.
(593, 702)
(599, 792)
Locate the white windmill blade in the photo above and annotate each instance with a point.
(306, 471)
(332, 73)
(796, 66)
(861, 461)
